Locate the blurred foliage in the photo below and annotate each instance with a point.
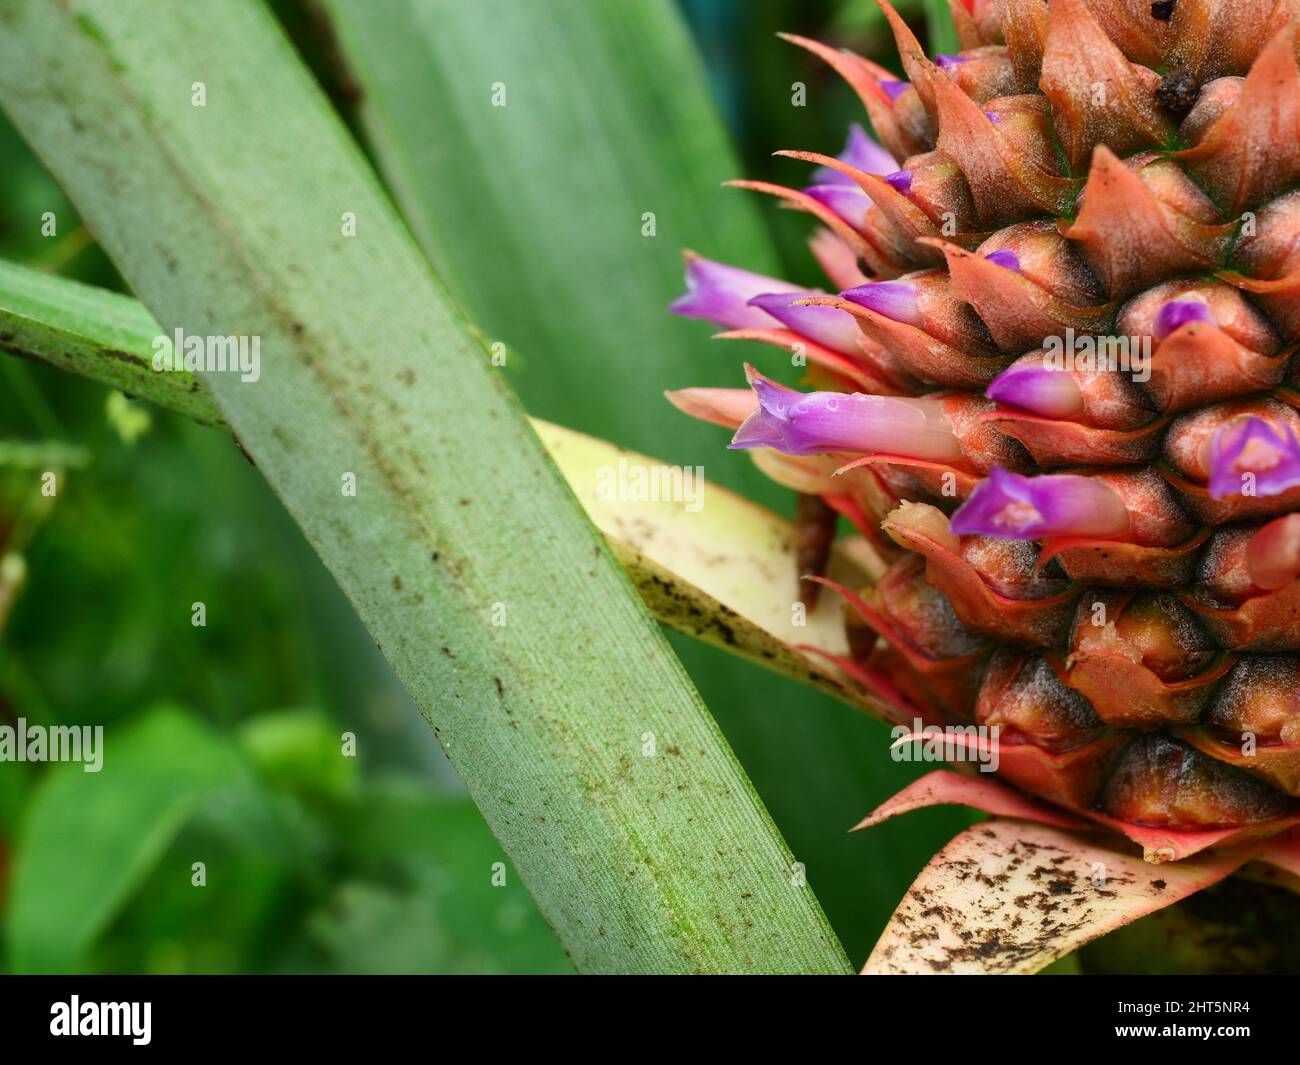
(314, 861)
(1236, 927)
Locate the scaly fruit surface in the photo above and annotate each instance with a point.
(1055, 385)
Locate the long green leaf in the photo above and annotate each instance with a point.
(492, 597)
(534, 212)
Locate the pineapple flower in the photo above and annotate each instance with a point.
(1177, 313)
(896, 300)
(1253, 457)
(799, 423)
(1036, 387)
(837, 190)
(1052, 386)
(823, 325)
(1029, 508)
(722, 294)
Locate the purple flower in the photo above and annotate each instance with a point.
(900, 180)
(993, 117)
(1253, 457)
(1037, 388)
(860, 152)
(1005, 257)
(895, 89)
(828, 326)
(721, 294)
(948, 62)
(847, 201)
(1177, 313)
(893, 299)
(1013, 507)
(809, 423)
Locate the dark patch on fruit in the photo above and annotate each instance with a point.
(1162, 782)
(1162, 10)
(1178, 93)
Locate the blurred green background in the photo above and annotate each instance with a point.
(223, 742)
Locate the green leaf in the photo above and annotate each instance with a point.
(942, 29)
(226, 219)
(90, 838)
(534, 211)
(102, 335)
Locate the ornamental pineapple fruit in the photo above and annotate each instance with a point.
(1056, 388)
